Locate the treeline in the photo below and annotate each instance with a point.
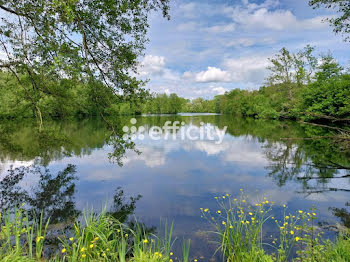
(173, 104)
(300, 86)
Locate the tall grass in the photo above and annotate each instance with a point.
(98, 237)
(239, 225)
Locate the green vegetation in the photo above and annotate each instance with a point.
(298, 89)
(300, 86)
(72, 57)
(97, 238)
(341, 23)
(240, 225)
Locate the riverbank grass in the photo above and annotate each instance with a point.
(240, 224)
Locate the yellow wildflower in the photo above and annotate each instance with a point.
(171, 253)
(82, 249)
(92, 245)
(39, 238)
(291, 232)
(297, 239)
(63, 250)
(83, 256)
(206, 210)
(223, 222)
(300, 211)
(250, 213)
(219, 212)
(287, 217)
(145, 241)
(71, 239)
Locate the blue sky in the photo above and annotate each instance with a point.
(209, 47)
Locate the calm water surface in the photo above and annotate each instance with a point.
(72, 166)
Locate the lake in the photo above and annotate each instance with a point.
(77, 164)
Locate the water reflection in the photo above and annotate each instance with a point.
(51, 194)
(175, 177)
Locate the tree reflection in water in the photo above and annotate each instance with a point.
(53, 196)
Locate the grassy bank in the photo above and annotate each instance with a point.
(239, 223)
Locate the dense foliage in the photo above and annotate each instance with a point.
(51, 46)
(300, 86)
(307, 91)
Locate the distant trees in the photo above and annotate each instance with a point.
(164, 104)
(300, 86)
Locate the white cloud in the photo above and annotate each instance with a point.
(212, 74)
(248, 42)
(152, 65)
(220, 90)
(226, 28)
(186, 27)
(210, 91)
(257, 17)
(250, 69)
